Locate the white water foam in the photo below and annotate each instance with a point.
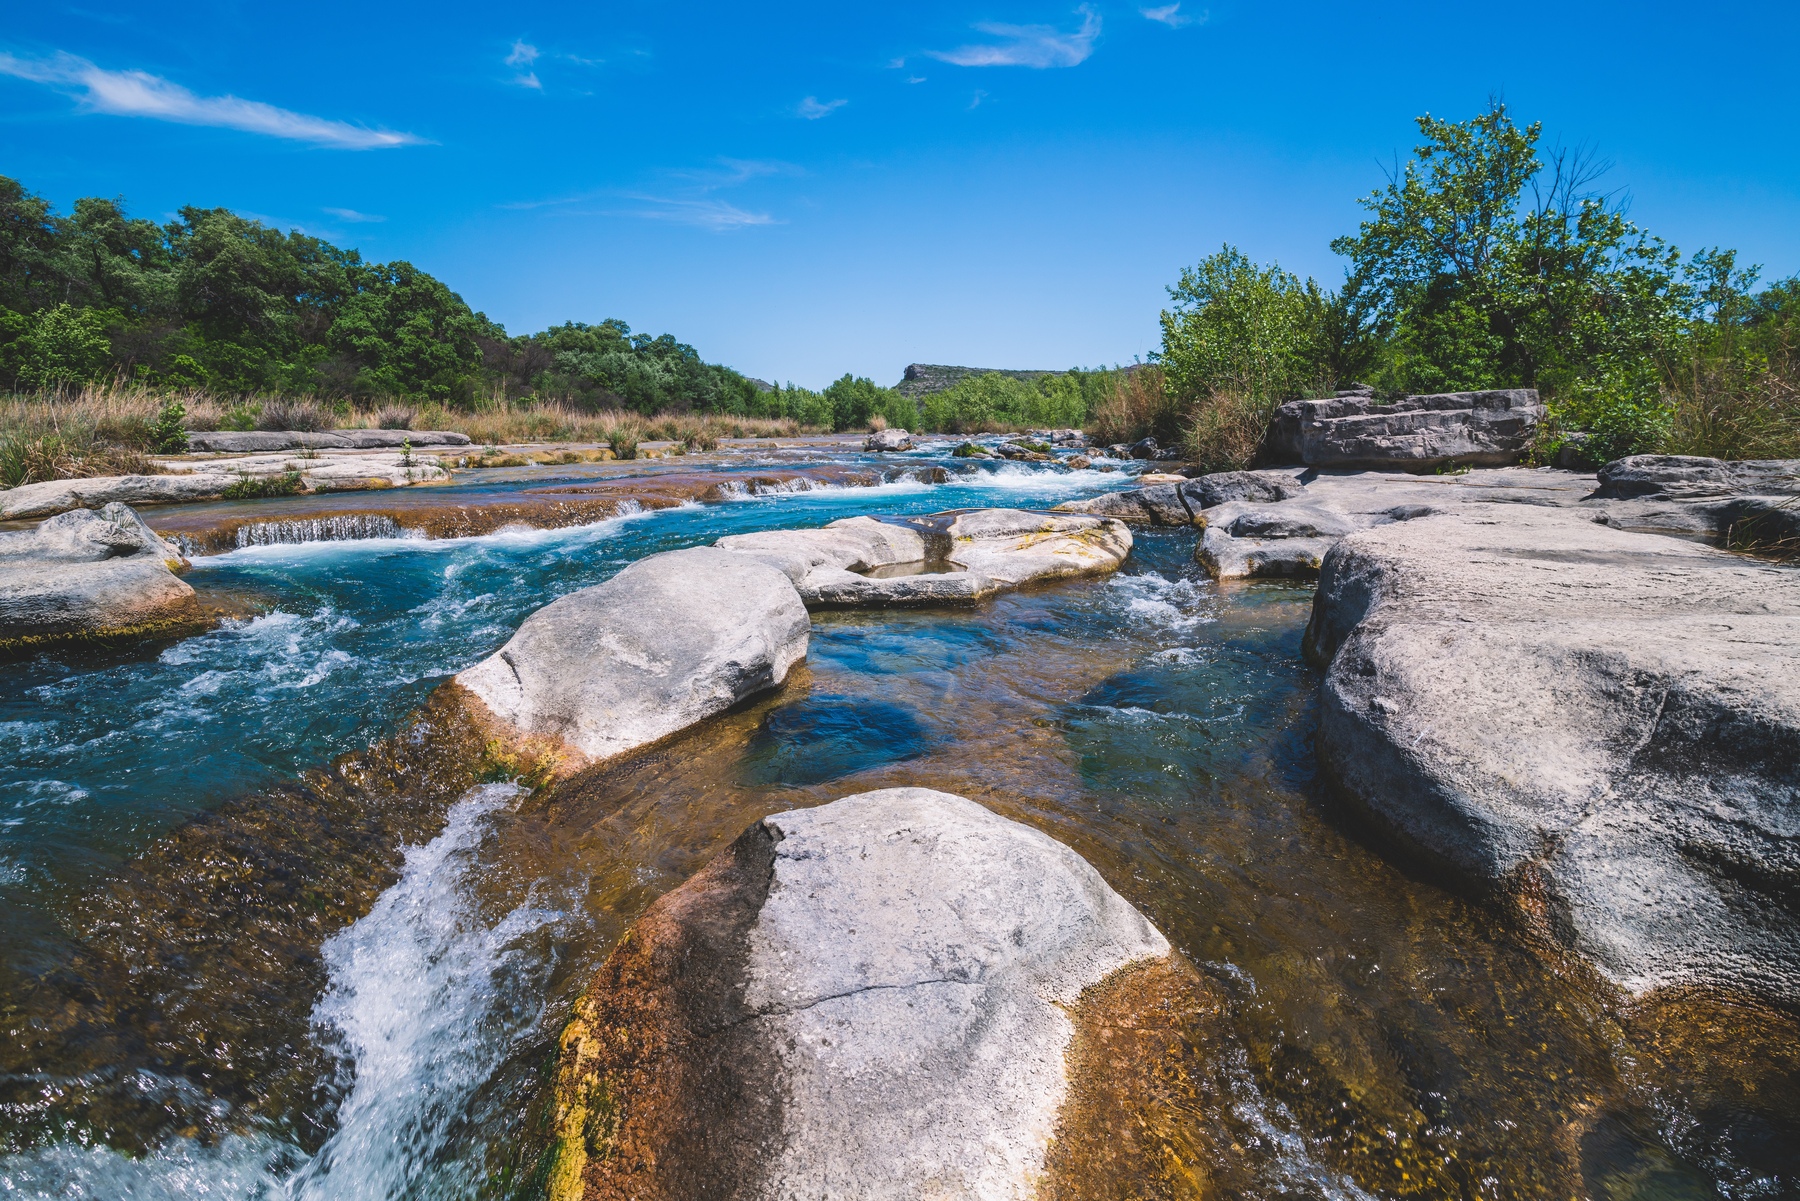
(1175, 605)
(426, 1000)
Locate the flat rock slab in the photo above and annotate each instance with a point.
(873, 999)
(88, 574)
(945, 558)
(1599, 724)
(671, 640)
(1417, 433)
(253, 441)
(208, 479)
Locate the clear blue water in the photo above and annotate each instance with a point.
(1376, 1037)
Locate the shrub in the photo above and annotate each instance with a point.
(168, 435)
(305, 416)
(252, 487)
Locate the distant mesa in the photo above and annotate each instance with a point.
(923, 379)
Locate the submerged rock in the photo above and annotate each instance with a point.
(88, 574)
(1601, 725)
(1418, 433)
(671, 640)
(888, 440)
(945, 558)
(873, 998)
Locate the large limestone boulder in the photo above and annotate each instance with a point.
(1419, 433)
(940, 559)
(1603, 726)
(50, 497)
(1752, 504)
(871, 999)
(669, 641)
(888, 440)
(88, 574)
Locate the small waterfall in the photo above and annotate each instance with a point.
(345, 527)
(426, 999)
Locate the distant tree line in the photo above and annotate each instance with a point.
(1488, 262)
(217, 301)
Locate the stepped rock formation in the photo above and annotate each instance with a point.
(1603, 726)
(945, 558)
(871, 999)
(671, 640)
(88, 574)
(1418, 433)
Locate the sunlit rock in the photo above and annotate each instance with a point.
(1603, 725)
(1416, 433)
(945, 558)
(873, 998)
(89, 574)
(671, 640)
(888, 440)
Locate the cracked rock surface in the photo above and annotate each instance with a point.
(671, 640)
(1601, 725)
(885, 983)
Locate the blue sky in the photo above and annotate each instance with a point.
(803, 190)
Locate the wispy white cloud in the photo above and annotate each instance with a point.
(141, 94)
(355, 217)
(734, 171)
(1172, 16)
(521, 57)
(1038, 46)
(976, 99)
(812, 108)
(716, 215)
(915, 79)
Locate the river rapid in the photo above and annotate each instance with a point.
(269, 934)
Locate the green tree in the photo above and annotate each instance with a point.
(407, 334)
(1246, 330)
(64, 345)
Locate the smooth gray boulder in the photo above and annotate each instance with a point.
(873, 998)
(888, 440)
(944, 558)
(1158, 504)
(255, 441)
(1602, 726)
(1418, 433)
(671, 640)
(88, 574)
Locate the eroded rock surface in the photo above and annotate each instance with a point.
(944, 558)
(1418, 433)
(868, 999)
(86, 573)
(1602, 725)
(671, 640)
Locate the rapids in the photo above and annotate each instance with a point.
(381, 1028)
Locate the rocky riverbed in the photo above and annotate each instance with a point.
(290, 912)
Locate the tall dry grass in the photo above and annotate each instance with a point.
(1723, 414)
(110, 429)
(1138, 406)
(1224, 431)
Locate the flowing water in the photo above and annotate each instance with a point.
(272, 932)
